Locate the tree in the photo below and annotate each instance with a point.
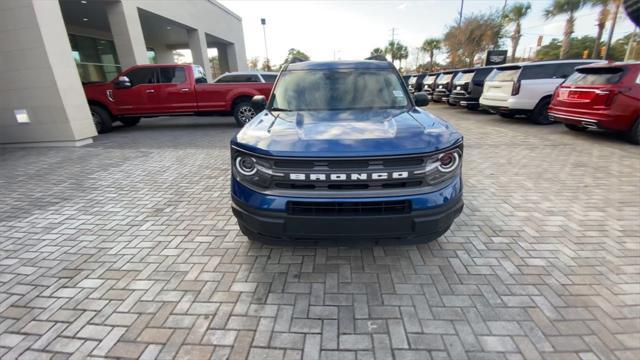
(215, 66)
(475, 35)
(551, 51)
(393, 49)
(295, 53)
(514, 15)
(253, 63)
(403, 54)
(603, 18)
(569, 8)
(266, 65)
(430, 46)
(377, 52)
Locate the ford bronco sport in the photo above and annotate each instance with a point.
(341, 150)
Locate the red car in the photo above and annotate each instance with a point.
(600, 96)
(175, 89)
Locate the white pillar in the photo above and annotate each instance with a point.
(198, 46)
(232, 58)
(127, 33)
(40, 81)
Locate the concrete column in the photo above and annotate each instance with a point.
(198, 46)
(232, 57)
(127, 33)
(39, 78)
(164, 55)
(223, 58)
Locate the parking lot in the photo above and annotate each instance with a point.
(128, 248)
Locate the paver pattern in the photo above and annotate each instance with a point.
(127, 248)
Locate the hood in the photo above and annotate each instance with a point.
(346, 133)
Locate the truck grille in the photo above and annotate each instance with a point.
(348, 167)
(303, 208)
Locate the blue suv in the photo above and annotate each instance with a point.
(343, 151)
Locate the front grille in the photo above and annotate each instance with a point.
(304, 208)
(388, 165)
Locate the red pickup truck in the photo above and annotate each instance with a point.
(175, 89)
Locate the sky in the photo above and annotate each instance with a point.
(350, 29)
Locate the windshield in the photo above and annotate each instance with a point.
(444, 78)
(505, 74)
(462, 78)
(317, 90)
(595, 76)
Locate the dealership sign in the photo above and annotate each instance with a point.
(495, 57)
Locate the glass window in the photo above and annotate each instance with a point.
(595, 76)
(199, 75)
(504, 74)
(564, 70)
(141, 76)
(445, 78)
(173, 75)
(238, 78)
(270, 78)
(309, 90)
(96, 59)
(536, 72)
(462, 78)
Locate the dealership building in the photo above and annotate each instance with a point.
(49, 47)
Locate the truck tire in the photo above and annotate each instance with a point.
(130, 121)
(243, 112)
(101, 119)
(575, 127)
(540, 114)
(633, 136)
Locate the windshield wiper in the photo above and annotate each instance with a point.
(278, 109)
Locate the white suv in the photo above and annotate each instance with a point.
(526, 88)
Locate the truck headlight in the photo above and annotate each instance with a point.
(252, 169)
(246, 165)
(443, 166)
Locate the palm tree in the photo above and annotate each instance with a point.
(565, 7)
(403, 53)
(393, 49)
(430, 46)
(377, 52)
(514, 15)
(603, 17)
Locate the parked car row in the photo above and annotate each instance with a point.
(582, 94)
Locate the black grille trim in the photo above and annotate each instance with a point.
(357, 208)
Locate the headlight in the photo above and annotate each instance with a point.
(251, 169)
(442, 167)
(246, 165)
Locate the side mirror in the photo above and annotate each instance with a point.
(420, 99)
(258, 103)
(123, 82)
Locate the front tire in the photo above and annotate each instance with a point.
(243, 113)
(633, 136)
(540, 114)
(101, 119)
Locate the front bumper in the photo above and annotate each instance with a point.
(423, 223)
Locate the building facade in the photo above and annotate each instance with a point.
(49, 47)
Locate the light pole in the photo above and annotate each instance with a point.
(263, 21)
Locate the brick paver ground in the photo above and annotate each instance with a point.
(127, 248)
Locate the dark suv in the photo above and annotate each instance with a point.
(429, 84)
(342, 151)
(467, 87)
(444, 84)
(416, 82)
